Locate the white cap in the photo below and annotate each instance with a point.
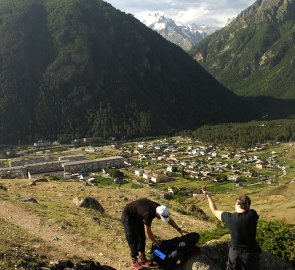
(163, 212)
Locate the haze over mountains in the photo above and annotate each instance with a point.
(184, 36)
(76, 68)
(255, 54)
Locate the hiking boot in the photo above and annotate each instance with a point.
(136, 266)
(144, 261)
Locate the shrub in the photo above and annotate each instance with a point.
(277, 237)
(217, 233)
(115, 173)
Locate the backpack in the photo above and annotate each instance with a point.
(170, 251)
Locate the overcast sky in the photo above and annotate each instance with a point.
(211, 12)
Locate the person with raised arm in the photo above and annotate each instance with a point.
(244, 250)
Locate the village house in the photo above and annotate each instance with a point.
(171, 168)
(224, 156)
(13, 172)
(72, 158)
(233, 178)
(193, 166)
(93, 165)
(196, 152)
(138, 172)
(269, 181)
(158, 147)
(194, 175)
(171, 190)
(213, 154)
(146, 174)
(22, 162)
(260, 164)
(127, 163)
(42, 143)
(141, 145)
(159, 178)
(44, 167)
(184, 163)
(142, 157)
(92, 139)
(92, 149)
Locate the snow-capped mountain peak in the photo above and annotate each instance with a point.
(148, 17)
(184, 36)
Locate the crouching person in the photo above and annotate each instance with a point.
(137, 218)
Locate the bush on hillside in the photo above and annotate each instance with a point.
(278, 238)
(115, 173)
(217, 233)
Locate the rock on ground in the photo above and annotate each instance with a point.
(89, 202)
(214, 257)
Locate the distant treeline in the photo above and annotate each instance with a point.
(245, 134)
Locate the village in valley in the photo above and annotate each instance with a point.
(177, 167)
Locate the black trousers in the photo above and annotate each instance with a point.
(135, 234)
(241, 259)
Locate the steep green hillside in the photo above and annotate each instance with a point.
(255, 54)
(75, 68)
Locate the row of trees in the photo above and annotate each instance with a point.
(246, 134)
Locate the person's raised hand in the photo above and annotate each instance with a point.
(205, 190)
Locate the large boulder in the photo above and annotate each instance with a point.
(200, 263)
(271, 262)
(89, 202)
(214, 256)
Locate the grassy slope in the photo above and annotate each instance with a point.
(104, 235)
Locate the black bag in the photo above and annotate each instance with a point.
(170, 251)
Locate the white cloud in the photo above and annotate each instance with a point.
(190, 15)
(212, 12)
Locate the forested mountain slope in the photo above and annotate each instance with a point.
(75, 68)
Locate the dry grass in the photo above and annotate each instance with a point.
(104, 233)
(271, 202)
(17, 243)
